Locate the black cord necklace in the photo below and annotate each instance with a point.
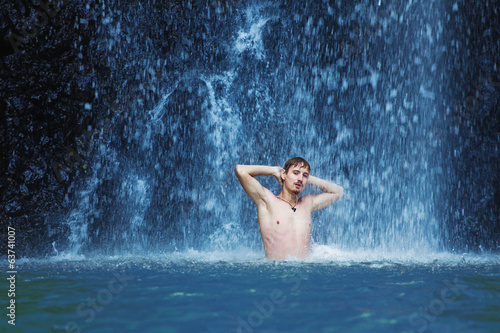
(293, 207)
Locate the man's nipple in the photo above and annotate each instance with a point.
(277, 222)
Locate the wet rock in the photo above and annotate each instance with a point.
(39, 105)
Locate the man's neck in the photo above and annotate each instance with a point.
(291, 197)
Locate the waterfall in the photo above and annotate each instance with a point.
(196, 88)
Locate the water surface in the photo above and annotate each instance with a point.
(243, 292)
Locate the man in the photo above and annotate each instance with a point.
(285, 219)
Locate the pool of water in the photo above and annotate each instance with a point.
(333, 291)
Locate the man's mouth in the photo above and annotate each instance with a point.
(298, 184)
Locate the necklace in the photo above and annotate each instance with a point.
(293, 207)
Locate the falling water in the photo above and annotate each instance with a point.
(197, 88)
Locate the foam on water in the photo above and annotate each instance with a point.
(320, 255)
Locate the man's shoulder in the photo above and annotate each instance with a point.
(268, 191)
(307, 199)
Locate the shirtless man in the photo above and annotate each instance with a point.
(285, 219)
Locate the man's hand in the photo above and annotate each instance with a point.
(277, 174)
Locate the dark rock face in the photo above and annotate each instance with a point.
(44, 88)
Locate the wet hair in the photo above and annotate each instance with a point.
(293, 162)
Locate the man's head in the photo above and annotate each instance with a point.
(295, 174)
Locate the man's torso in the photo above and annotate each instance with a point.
(284, 231)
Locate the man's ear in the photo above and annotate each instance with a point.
(283, 176)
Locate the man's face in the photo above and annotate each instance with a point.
(296, 178)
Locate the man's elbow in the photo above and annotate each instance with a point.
(238, 169)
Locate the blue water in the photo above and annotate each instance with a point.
(195, 291)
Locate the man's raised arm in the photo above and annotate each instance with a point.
(331, 193)
(246, 175)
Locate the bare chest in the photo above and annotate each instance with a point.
(282, 219)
